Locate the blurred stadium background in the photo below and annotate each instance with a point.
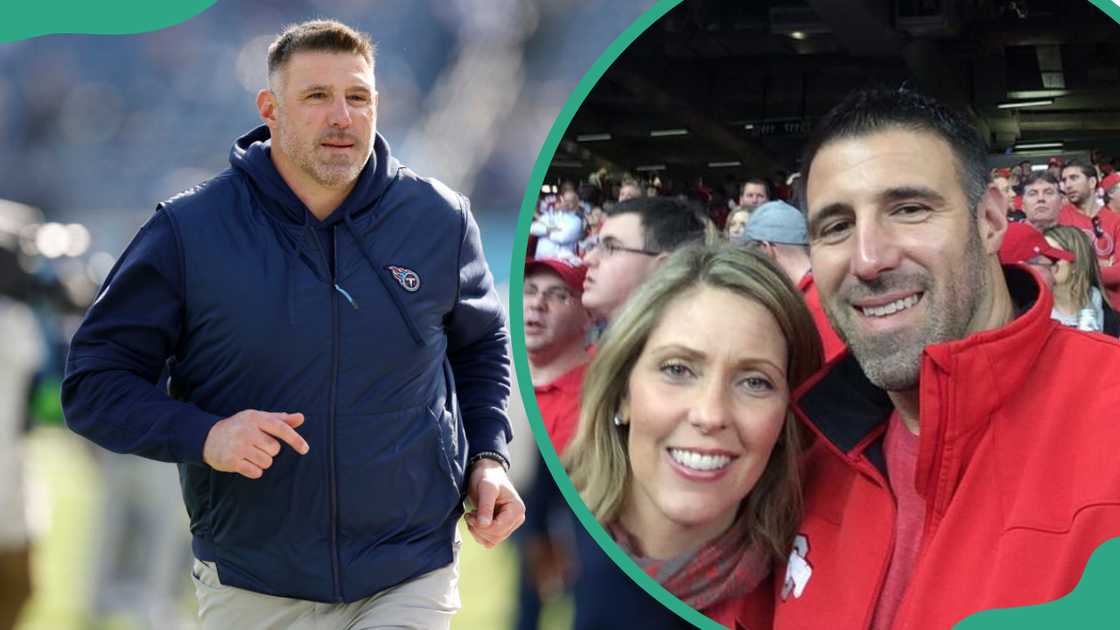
(98, 129)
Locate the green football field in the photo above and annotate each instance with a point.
(64, 494)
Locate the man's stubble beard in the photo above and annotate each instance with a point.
(892, 361)
(328, 176)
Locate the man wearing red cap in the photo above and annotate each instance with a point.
(1079, 184)
(556, 326)
(1024, 244)
(1111, 187)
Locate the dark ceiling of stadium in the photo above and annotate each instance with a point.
(717, 82)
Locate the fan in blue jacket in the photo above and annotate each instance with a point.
(336, 350)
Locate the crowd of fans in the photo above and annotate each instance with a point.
(569, 215)
(1072, 206)
(1083, 194)
(594, 242)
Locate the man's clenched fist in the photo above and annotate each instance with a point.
(498, 508)
(247, 441)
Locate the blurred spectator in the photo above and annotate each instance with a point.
(782, 190)
(1001, 182)
(560, 229)
(778, 230)
(754, 193)
(593, 222)
(635, 236)
(1102, 225)
(718, 207)
(631, 189)
(736, 223)
(556, 327)
(22, 351)
(142, 551)
(1042, 200)
(1110, 186)
(590, 196)
(1105, 167)
(545, 548)
(1078, 293)
(1078, 183)
(1054, 167)
(1025, 244)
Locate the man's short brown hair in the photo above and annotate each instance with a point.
(757, 181)
(1086, 169)
(319, 36)
(1041, 176)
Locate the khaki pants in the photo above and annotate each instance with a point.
(426, 601)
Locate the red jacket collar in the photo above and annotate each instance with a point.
(990, 366)
(982, 370)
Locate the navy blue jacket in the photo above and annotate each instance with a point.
(380, 324)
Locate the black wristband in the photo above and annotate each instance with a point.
(488, 455)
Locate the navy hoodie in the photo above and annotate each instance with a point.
(380, 324)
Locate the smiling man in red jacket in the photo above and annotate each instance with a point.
(960, 466)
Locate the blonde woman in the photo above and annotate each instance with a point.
(1079, 300)
(737, 224)
(687, 451)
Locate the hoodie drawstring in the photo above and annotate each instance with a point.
(390, 289)
(346, 294)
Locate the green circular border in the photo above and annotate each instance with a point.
(517, 320)
(25, 19)
(1025, 618)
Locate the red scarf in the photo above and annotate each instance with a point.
(724, 568)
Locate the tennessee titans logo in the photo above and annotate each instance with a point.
(798, 569)
(406, 277)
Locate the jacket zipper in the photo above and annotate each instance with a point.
(932, 487)
(330, 423)
(885, 568)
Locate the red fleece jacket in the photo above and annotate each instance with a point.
(1017, 465)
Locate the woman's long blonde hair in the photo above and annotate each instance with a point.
(597, 459)
(1084, 271)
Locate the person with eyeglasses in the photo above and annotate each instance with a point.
(556, 327)
(637, 235)
(556, 324)
(1100, 223)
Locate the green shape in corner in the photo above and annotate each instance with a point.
(1092, 604)
(34, 18)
